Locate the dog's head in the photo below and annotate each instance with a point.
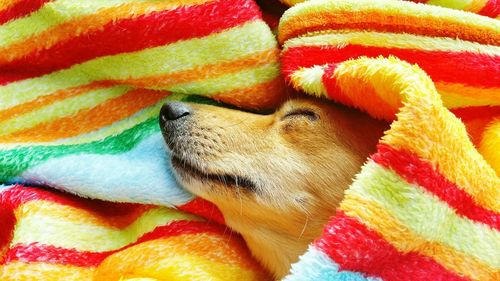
(283, 172)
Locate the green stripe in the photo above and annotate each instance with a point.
(425, 214)
(15, 161)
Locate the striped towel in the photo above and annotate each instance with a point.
(53, 236)
(81, 84)
(489, 8)
(426, 205)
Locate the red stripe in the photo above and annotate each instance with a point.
(46, 253)
(416, 171)
(155, 29)
(491, 9)
(476, 112)
(15, 196)
(11, 198)
(454, 67)
(354, 247)
(201, 207)
(20, 9)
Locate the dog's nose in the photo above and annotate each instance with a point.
(172, 111)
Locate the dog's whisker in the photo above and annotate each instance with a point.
(304, 228)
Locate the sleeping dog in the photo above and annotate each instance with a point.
(276, 178)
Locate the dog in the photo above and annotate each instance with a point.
(276, 178)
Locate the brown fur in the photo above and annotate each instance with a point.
(299, 159)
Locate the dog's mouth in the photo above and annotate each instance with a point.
(224, 179)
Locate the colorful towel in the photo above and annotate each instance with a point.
(426, 205)
(489, 8)
(52, 236)
(459, 51)
(81, 84)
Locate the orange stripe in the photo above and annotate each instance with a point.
(469, 91)
(204, 72)
(343, 88)
(48, 99)
(89, 119)
(213, 248)
(67, 30)
(260, 96)
(380, 21)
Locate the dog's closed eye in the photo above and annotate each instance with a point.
(301, 112)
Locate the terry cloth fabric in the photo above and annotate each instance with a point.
(52, 236)
(81, 84)
(460, 51)
(426, 205)
(489, 8)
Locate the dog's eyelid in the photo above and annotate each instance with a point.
(305, 112)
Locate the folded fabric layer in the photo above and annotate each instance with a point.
(465, 71)
(81, 84)
(52, 236)
(425, 206)
(489, 8)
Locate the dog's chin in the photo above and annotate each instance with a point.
(188, 172)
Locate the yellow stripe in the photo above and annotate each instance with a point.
(454, 4)
(390, 40)
(76, 215)
(112, 130)
(425, 215)
(490, 144)
(229, 45)
(310, 79)
(230, 81)
(57, 230)
(39, 271)
(60, 109)
(404, 240)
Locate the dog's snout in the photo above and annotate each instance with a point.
(172, 111)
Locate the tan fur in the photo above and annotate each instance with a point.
(300, 166)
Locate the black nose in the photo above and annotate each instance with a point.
(174, 110)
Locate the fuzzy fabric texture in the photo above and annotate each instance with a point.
(426, 205)
(489, 8)
(81, 83)
(54, 236)
(459, 51)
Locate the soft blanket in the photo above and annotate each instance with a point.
(81, 85)
(426, 205)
